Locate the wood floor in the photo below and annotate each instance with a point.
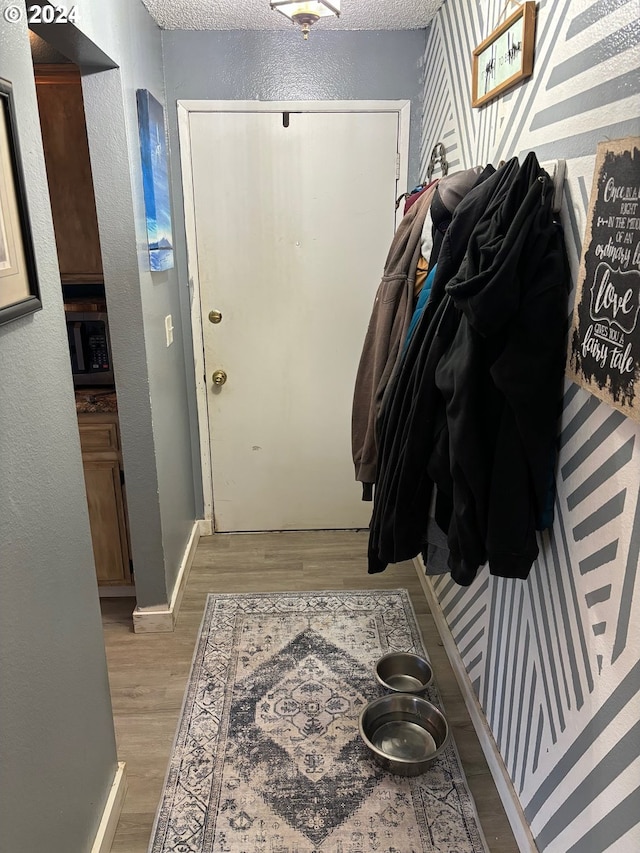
(148, 672)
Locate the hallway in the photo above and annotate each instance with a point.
(148, 672)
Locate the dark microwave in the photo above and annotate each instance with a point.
(89, 347)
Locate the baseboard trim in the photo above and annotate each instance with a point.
(111, 814)
(122, 591)
(206, 526)
(510, 801)
(147, 621)
(158, 619)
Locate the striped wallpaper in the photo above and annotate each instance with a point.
(555, 660)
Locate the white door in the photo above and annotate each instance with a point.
(292, 224)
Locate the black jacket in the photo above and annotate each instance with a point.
(501, 383)
(482, 373)
(408, 415)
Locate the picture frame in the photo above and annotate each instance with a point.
(505, 57)
(155, 180)
(19, 287)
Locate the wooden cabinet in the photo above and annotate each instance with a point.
(102, 461)
(66, 154)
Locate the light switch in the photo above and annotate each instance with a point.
(168, 327)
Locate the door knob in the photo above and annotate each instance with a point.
(219, 377)
(215, 316)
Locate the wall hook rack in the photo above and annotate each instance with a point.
(557, 170)
(438, 158)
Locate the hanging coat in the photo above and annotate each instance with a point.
(392, 313)
(410, 414)
(390, 318)
(512, 277)
(501, 381)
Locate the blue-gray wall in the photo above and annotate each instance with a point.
(279, 66)
(554, 660)
(152, 379)
(57, 748)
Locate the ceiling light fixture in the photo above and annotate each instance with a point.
(306, 14)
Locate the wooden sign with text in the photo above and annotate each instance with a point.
(604, 344)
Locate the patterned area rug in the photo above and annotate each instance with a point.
(267, 757)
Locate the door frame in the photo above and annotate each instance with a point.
(185, 108)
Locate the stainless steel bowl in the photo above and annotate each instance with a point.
(404, 672)
(404, 733)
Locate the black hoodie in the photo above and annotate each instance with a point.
(408, 416)
(474, 378)
(501, 382)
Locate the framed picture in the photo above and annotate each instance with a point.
(505, 57)
(155, 180)
(19, 290)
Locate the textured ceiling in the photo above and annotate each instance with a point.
(256, 15)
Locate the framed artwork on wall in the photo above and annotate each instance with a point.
(19, 289)
(505, 57)
(155, 180)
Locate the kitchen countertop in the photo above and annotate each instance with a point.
(96, 400)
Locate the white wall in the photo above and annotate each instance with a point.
(554, 660)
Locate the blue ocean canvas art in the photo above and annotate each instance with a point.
(155, 179)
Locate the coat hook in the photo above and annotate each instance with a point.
(438, 157)
(557, 170)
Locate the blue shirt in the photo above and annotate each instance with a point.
(422, 301)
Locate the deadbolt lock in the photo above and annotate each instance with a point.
(219, 377)
(215, 316)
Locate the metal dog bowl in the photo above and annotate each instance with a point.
(404, 672)
(404, 733)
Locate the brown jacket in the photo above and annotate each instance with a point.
(390, 318)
